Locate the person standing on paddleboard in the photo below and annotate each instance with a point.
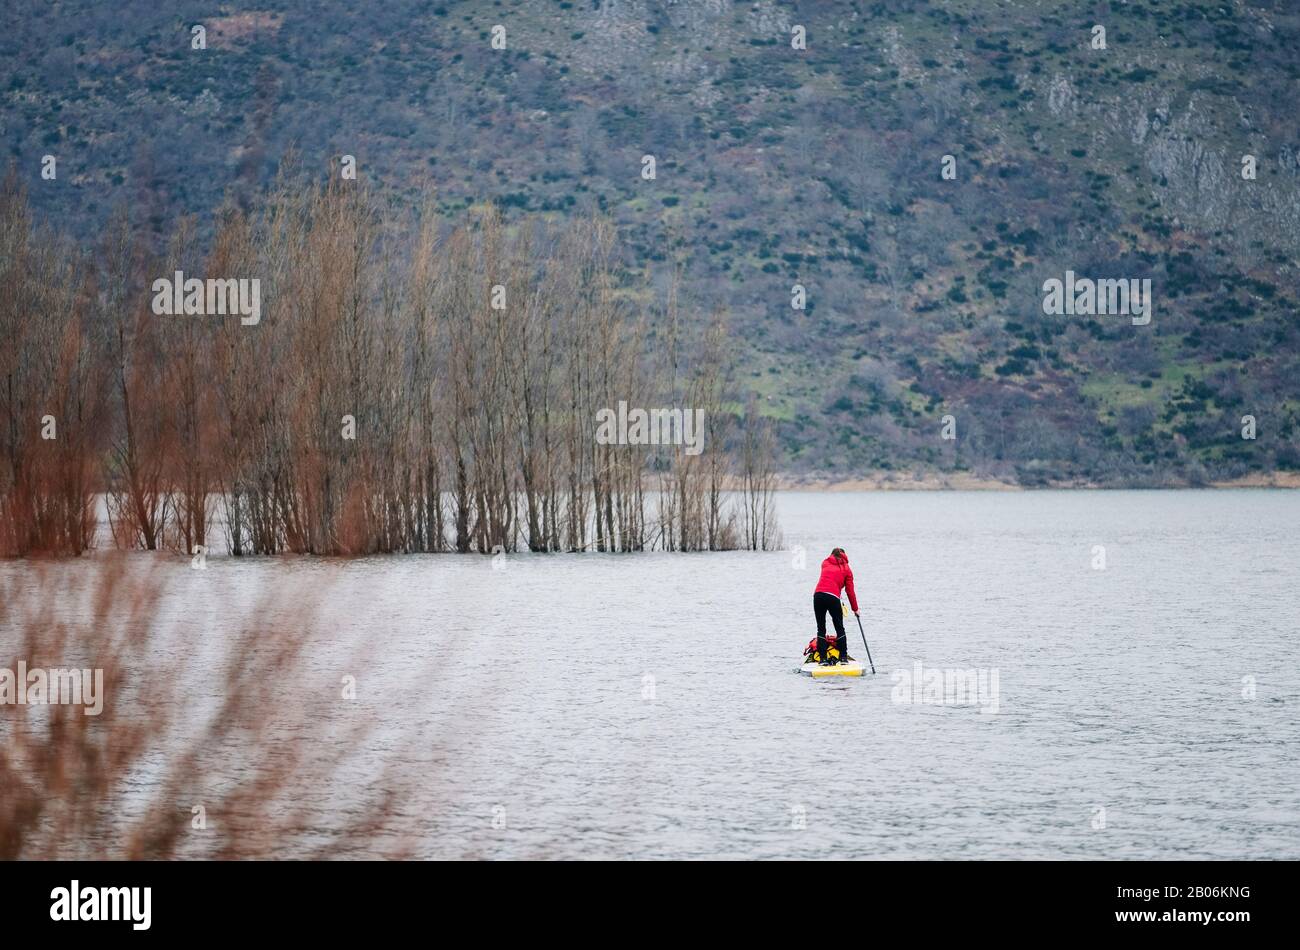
(836, 576)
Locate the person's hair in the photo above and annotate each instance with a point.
(838, 554)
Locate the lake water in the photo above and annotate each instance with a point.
(582, 706)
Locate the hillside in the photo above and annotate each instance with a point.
(775, 166)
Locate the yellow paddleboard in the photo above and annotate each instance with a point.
(817, 671)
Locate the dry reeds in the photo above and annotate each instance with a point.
(224, 755)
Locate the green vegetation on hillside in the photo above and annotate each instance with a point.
(777, 166)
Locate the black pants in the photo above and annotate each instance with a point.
(823, 604)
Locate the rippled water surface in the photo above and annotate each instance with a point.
(648, 705)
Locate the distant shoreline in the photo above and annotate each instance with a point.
(966, 481)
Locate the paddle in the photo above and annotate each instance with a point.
(864, 643)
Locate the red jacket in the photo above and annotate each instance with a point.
(836, 575)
